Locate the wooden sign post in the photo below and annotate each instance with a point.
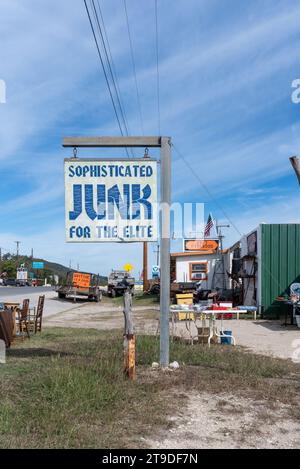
(129, 337)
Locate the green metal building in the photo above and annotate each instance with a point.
(271, 263)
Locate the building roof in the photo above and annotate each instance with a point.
(192, 253)
(197, 253)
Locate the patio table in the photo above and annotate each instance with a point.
(211, 315)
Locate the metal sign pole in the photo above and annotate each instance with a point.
(165, 250)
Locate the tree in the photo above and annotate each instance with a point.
(9, 267)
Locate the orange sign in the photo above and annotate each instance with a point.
(201, 245)
(81, 280)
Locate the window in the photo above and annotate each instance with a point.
(198, 270)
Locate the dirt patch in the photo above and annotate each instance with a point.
(269, 338)
(105, 317)
(228, 421)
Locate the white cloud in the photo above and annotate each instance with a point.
(218, 75)
(283, 211)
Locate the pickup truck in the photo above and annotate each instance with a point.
(81, 284)
(116, 285)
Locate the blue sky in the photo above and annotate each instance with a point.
(226, 68)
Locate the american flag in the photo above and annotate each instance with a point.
(209, 225)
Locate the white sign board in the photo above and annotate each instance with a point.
(111, 200)
(22, 274)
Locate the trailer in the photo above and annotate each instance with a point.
(81, 284)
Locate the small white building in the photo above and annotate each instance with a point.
(199, 261)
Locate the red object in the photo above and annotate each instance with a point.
(221, 308)
(225, 316)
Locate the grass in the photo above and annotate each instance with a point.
(139, 299)
(145, 299)
(65, 388)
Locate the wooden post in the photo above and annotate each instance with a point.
(129, 337)
(145, 267)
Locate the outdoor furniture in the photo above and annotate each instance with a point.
(13, 306)
(208, 321)
(6, 327)
(293, 309)
(293, 304)
(37, 317)
(249, 309)
(23, 321)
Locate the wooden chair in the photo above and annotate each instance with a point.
(38, 317)
(23, 320)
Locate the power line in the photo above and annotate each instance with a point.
(111, 58)
(104, 70)
(157, 68)
(134, 68)
(206, 189)
(110, 67)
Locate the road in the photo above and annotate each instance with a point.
(52, 304)
(6, 292)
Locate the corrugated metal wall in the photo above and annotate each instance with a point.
(280, 264)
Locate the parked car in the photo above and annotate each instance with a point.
(10, 282)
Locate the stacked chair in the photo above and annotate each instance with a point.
(29, 321)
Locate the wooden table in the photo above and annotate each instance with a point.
(13, 306)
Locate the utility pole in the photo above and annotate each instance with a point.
(157, 254)
(219, 276)
(145, 266)
(165, 145)
(0, 254)
(18, 244)
(31, 253)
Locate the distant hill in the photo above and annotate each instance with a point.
(11, 262)
(61, 270)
